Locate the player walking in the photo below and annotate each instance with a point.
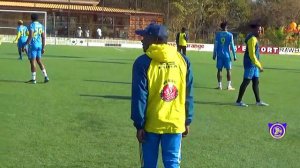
(36, 42)
(22, 35)
(252, 66)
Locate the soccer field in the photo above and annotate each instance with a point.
(81, 118)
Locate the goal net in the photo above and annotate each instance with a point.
(9, 19)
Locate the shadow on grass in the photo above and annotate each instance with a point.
(12, 58)
(11, 81)
(109, 62)
(283, 69)
(275, 68)
(215, 103)
(16, 53)
(108, 96)
(122, 59)
(17, 81)
(115, 82)
(61, 56)
(25, 82)
(204, 87)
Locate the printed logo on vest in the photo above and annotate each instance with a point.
(169, 92)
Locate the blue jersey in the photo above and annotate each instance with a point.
(22, 33)
(223, 43)
(37, 30)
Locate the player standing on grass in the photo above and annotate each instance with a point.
(223, 44)
(181, 41)
(252, 66)
(22, 35)
(162, 98)
(36, 43)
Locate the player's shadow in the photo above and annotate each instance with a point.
(112, 82)
(11, 58)
(214, 103)
(275, 68)
(17, 81)
(109, 62)
(283, 69)
(15, 54)
(121, 59)
(204, 87)
(107, 96)
(62, 56)
(11, 81)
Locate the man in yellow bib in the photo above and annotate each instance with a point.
(181, 41)
(162, 98)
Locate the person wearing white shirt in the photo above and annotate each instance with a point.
(79, 32)
(99, 33)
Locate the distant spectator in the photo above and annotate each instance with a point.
(181, 41)
(79, 32)
(99, 33)
(87, 33)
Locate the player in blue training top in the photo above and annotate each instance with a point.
(223, 44)
(252, 66)
(22, 35)
(36, 42)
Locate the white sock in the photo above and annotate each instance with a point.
(220, 84)
(33, 75)
(229, 83)
(44, 72)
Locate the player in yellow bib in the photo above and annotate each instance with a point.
(162, 99)
(181, 41)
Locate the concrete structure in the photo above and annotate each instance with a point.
(65, 16)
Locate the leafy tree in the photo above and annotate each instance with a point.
(202, 17)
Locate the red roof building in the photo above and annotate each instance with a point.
(65, 16)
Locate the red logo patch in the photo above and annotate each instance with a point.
(169, 92)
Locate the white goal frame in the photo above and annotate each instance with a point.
(26, 11)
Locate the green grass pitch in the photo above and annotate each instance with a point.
(81, 118)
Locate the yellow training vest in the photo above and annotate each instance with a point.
(167, 90)
(182, 41)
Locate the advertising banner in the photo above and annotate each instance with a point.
(289, 51)
(263, 49)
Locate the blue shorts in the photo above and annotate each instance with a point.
(21, 43)
(34, 52)
(170, 147)
(223, 62)
(250, 73)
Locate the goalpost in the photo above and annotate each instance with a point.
(9, 19)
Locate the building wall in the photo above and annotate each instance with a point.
(64, 22)
(140, 22)
(112, 25)
(92, 2)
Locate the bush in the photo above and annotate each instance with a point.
(276, 36)
(241, 38)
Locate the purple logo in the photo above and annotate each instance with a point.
(277, 130)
